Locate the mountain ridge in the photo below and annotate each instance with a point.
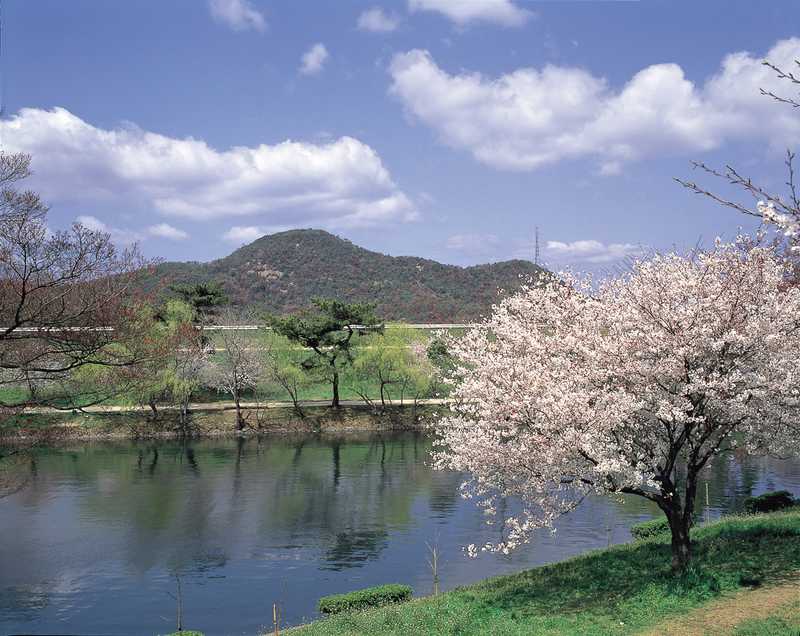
(282, 272)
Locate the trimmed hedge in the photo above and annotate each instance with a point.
(652, 528)
(366, 598)
(770, 502)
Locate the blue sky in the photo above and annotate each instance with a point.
(441, 128)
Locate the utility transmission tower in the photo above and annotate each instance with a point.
(536, 246)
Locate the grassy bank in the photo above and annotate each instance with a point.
(212, 422)
(626, 589)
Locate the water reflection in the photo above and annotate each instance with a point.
(93, 543)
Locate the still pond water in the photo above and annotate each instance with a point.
(92, 544)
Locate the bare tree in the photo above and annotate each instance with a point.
(66, 300)
(287, 376)
(238, 364)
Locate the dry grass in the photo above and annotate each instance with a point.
(724, 615)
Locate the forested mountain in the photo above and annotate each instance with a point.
(282, 272)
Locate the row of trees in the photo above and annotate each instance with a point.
(294, 356)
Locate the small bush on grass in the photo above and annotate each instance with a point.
(648, 529)
(769, 502)
(363, 599)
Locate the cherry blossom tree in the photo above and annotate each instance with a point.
(239, 365)
(631, 386)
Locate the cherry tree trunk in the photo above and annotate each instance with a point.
(681, 544)
(239, 418)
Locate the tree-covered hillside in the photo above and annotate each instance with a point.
(283, 272)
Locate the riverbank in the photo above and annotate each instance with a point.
(626, 589)
(217, 419)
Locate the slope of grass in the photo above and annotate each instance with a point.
(622, 590)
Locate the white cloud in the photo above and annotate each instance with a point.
(127, 235)
(241, 234)
(377, 20)
(462, 12)
(334, 184)
(590, 251)
(239, 15)
(92, 223)
(166, 231)
(473, 244)
(532, 117)
(314, 59)
(118, 235)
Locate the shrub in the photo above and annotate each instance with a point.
(769, 502)
(652, 528)
(366, 598)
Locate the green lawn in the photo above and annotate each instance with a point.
(622, 590)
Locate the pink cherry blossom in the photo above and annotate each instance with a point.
(571, 389)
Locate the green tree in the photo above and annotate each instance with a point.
(396, 362)
(203, 297)
(176, 351)
(328, 331)
(442, 366)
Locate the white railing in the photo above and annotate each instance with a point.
(432, 325)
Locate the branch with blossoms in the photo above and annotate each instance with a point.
(780, 212)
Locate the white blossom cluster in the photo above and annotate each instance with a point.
(570, 389)
(789, 225)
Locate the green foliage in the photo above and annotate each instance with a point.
(440, 356)
(202, 297)
(328, 332)
(364, 599)
(769, 502)
(395, 361)
(694, 581)
(282, 272)
(648, 529)
(332, 323)
(176, 312)
(625, 589)
(169, 372)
